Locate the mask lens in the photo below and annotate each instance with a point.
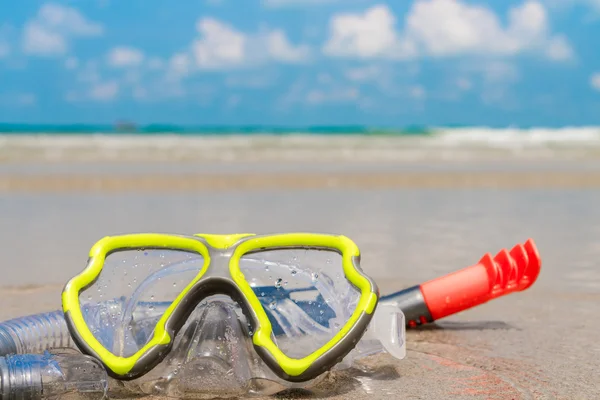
(305, 293)
(134, 289)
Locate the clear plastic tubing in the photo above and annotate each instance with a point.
(52, 376)
(35, 334)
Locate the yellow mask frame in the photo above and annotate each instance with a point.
(232, 283)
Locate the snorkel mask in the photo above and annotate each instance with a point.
(301, 299)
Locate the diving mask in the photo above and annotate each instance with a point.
(149, 284)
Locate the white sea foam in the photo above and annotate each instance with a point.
(442, 144)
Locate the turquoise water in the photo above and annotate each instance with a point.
(207, 130)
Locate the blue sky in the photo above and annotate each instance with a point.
(301, 62)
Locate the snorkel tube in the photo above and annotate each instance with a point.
(492, 277)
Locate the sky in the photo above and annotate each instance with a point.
(301, 62)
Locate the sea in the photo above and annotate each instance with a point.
(25, 143)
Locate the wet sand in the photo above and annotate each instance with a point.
(411, 226)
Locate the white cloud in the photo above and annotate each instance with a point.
(559, 49)
(363, 74)
(41, 41)
(50, 31)
(498, 71)
(104, 91)
(123, 56)
(595, 81)
(368, 35)
(445, 28)
(221, 46)
(449, 27)
(280, 48)
(179, 65)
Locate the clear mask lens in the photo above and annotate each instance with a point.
(135, 287)
(304, 293)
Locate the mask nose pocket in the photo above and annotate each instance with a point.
(214, 344)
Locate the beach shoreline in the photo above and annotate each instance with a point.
(155, 182)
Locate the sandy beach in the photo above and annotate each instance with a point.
(411, 223)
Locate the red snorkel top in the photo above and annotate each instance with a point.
(492, 277)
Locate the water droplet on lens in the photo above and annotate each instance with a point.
(174, 284)
(278, 283)
(294, 272)
(272, 305)
(152, 297)
(262, 294)
(315, 277)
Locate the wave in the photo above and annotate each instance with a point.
(434, 143)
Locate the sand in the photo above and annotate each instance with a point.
(411, 225)
(291, 181)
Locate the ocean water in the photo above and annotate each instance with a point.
(316, 144)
